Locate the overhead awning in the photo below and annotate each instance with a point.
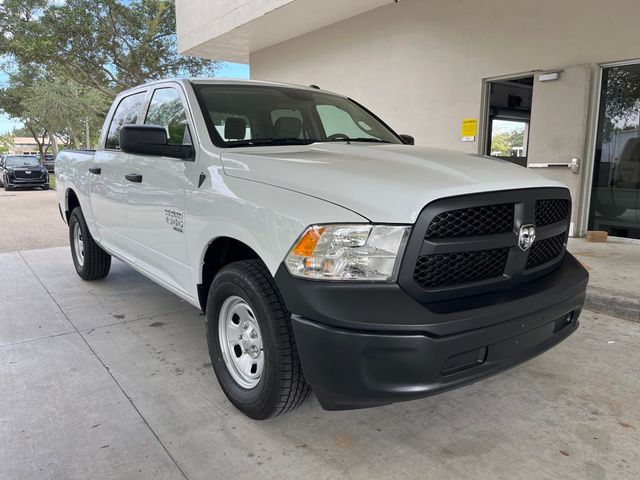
(232, 29)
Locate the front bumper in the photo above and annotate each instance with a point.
(26, 182)
(363, 345)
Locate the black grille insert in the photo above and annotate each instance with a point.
(550, 211)
(543, 251)
(475, 221)
(23, 173)
(460, 267)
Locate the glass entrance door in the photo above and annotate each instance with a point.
(615, 195)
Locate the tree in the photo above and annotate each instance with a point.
(67, 109)
(108, 45)
(12, 99)
(506, 140)
(6, 143)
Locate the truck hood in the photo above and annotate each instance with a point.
(384, 183)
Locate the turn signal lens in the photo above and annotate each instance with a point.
(307, 243)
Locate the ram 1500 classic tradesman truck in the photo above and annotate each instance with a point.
(326, 251)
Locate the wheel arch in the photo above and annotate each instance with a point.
(221, 251)
(71, 201)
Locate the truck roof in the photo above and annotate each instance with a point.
(224, 81)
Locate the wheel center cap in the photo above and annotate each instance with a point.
(250, 342)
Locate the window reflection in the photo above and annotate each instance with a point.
(615, 196)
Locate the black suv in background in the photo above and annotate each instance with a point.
(22, 171)
(49, 163)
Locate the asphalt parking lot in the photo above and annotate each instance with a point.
(112, 379)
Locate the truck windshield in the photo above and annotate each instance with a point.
(22, 162)
(256, 115)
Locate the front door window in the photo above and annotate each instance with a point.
(615, 195)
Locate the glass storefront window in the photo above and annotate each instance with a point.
(615, 195)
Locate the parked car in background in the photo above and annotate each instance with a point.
(22, 171)
(49, 163)
(326, 250)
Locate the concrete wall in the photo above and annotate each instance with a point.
(230, 29)
(420, 63)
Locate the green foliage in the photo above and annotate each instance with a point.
(6, 143)
(104, 44)
(505, 141)
(63, 106)
(67, 60)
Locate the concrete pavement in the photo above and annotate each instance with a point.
(29, 218)
(112, 379)
(614, 275)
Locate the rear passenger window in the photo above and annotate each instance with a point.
(166, 109)
(126, 114)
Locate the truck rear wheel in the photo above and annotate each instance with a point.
(251, 344)
(91, 261)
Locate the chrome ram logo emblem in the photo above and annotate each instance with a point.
(526, 237)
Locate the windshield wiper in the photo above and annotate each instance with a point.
(360, 139)
(270, 141)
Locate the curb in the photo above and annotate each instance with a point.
(609, 303)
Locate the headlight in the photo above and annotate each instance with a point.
(348, 252)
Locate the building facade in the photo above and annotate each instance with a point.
(549, 84)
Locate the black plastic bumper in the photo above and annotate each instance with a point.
(370, 344)
(27, 183)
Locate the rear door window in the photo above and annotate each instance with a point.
(126, 114)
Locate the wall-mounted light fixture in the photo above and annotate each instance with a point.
(549, 76)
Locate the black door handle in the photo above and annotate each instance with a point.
(134, 177)
(97, 171)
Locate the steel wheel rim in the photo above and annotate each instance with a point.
(241, 342)
(78, 244)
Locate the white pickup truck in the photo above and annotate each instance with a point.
(326, 251)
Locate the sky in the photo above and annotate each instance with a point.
(227, 70)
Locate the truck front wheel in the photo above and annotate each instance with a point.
(91, 261)
(251, 343)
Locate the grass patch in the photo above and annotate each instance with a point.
(52, 181)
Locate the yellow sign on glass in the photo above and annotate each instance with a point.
(469, 129)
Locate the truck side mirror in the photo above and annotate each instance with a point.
(408, 139)
(151, 140)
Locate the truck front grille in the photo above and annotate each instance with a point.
(469, 245)
(545, 250)
(470, 222)
(550, 211)
(462, 267)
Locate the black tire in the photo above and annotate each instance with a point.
(45, 187)
(281, 386)
(96, 262)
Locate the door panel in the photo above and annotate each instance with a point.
(156, 217)
(108, 188)
(559, 122)
(155, 206)
(108, 201)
